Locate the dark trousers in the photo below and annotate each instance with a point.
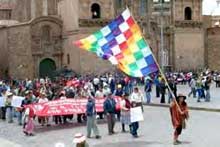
(3, 113)
(100, 115)
(157, 91)
(79, 118)
(178, 130)
(134, 127)
(58, 119)
(111, 122)
(118, 113)
(162, 100)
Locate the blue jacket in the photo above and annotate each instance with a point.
(109, 105)
(90, 107)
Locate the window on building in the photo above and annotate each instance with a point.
(46, 33)
(68, 58)
(143, 7)
(96, 11)
(5, 14)
(188, 13)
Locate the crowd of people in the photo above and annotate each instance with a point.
(134, 92)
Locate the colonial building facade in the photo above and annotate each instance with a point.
(37, 35)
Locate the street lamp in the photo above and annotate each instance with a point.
(162, 51)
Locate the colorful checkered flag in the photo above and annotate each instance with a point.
(121, 42)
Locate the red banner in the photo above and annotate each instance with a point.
(68, 106)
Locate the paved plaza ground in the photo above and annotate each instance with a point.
(156, 131)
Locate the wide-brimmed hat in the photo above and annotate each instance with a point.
(79, 138)
(43, 93)
(9, 94)
(26, 92)
(181, 95)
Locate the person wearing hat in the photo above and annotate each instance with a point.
(25, 101)
(91, 118)
(179, 113)
(80, 140)
(8, 106)
(109, 110)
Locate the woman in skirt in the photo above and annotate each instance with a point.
(29, 121)
(125, 111)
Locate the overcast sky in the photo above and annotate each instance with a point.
(209, 6)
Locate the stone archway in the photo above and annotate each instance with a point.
(47, 67)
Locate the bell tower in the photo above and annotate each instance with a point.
(187, 35)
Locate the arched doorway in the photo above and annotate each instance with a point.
(46, 67)
(96, 11)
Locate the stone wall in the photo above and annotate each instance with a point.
(188, 48)
(4, 60)
(213, 48)
(68, 12)
(19, 49)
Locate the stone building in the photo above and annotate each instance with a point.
(38, 35)
(212, 39)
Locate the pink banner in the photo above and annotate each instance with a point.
(68, 106)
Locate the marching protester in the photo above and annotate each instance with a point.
(157, 83)
(137, 97)
(135, 102)
(148, 89)
(200, 90)
(163, 91)
(4, 96)
(43, 120)
(179, 113)
(118, 92)
(20, 110)
(91, 118)
(207, 88)
(109, 109)
(29, 121)
(9, 107)
(192, 85)
(125, 106)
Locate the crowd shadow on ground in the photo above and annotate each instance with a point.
(68, 125)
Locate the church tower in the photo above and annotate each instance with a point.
(187, 35)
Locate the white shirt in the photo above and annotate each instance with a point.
(96, 81)
(136, 97)
(43, 100)
(106, 91)
(99, 94)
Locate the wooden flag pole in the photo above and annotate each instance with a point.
(160, 70)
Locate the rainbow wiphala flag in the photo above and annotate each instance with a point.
(121, 42)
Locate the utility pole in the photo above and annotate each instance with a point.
(162, 58)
